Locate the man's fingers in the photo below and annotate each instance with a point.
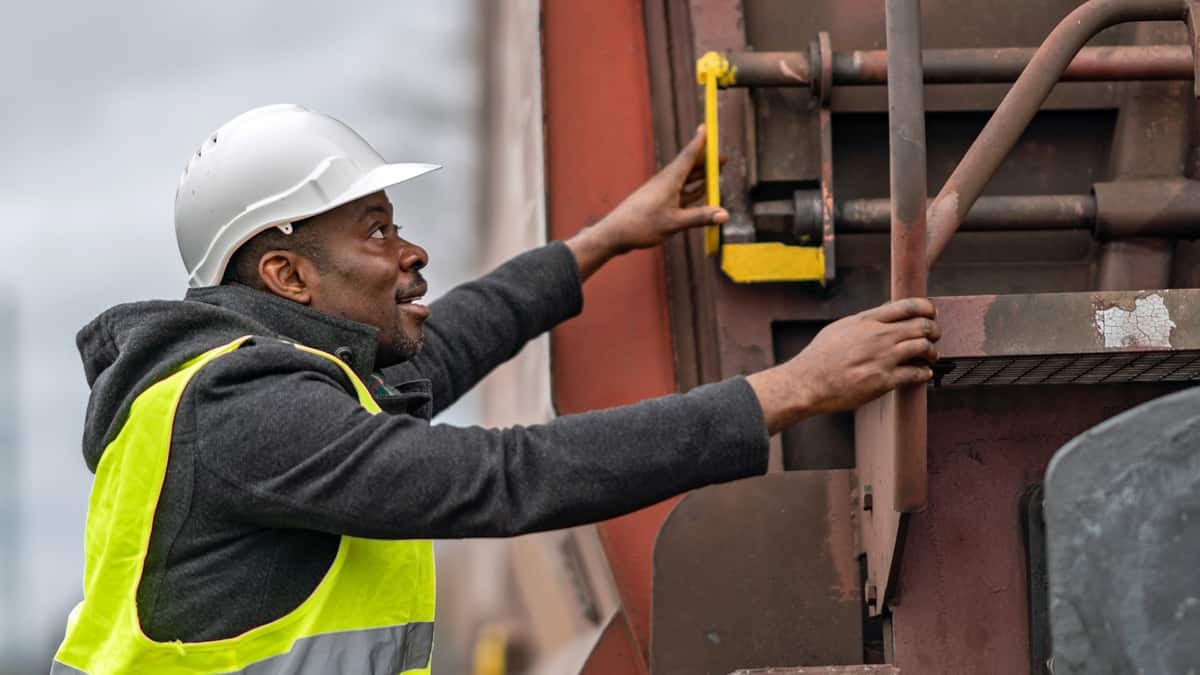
(900, 310)
(903, 375)
(701, 215)
(919, 327)
(917, 349)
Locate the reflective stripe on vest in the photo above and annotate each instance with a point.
(371, 613)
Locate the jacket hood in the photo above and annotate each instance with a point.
(128, 348)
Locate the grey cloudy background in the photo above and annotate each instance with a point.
(103, 105)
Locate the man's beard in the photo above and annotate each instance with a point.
(409, 346)
(402, 349)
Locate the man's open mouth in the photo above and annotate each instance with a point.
(408, 296)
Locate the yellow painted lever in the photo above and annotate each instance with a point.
(712, 70)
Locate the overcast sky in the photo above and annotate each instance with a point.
(104, 104)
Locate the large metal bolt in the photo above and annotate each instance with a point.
(868, 500)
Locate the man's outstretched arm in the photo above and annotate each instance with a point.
(319, 461)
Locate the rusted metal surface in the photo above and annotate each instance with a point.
(758, 573)
(963, 606)
(773, 138)
(882, 530)
(825, 134)
(668, 50)
(743, 336)
(1151, 207)
(1193, 26)
(1149, 142)
(1057, 338)
(1022, 102)
(785, 121)
(965, 66)
(585, 43)
(1135, 263)
(823, 670)
(906, 143)
(778, 69)
(1085, 323)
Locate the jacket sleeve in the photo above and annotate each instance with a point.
(291, 448)
(481, 324)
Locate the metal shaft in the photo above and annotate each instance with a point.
(966, 66)
(1033, 212)
(906, 143)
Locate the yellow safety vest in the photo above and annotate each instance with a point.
(372, 613)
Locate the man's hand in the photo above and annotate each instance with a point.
(655, 211)
(850, 362)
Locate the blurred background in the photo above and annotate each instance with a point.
(105, 104)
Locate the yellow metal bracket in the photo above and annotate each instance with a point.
(749, 262)
(712, 70)
(772, 261)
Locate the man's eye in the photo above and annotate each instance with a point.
(385, 231)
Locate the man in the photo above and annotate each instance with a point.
(267, 478)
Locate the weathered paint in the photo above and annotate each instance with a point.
(1145, 324)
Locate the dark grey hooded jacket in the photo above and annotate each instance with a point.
(272, 458)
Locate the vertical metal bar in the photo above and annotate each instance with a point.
(906, 142)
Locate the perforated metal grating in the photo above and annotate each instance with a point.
(1117, 367)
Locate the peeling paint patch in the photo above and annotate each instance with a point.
(1147, 324)
(942, 210)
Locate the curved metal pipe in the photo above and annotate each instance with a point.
(997, 139)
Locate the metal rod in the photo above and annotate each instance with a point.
(1147, 207)
(1017, 109)
(906, 144)
(966, 66)
(1034, 212)
(951, 66)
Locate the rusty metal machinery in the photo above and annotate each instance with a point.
(1033, 166)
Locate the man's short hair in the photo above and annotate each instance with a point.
(243, 264)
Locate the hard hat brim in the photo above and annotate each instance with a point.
(209, 272)
(382, 177)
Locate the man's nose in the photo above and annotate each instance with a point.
(412, 257)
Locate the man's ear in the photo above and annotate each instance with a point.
(289, 275)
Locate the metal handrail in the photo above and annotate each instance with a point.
(1015, 112)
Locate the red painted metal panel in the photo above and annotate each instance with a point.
(599, 147)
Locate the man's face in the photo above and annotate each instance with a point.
(367, 273)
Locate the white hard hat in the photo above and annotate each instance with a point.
(270, 167)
